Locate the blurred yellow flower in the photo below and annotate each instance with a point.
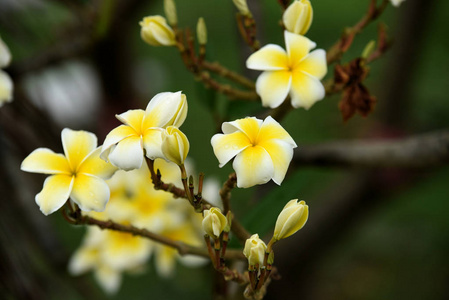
(79, 174)
(262, 149)
(124, 145)
(295, 71)
(156, 32)
(297, 18)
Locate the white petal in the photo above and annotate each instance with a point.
(271, 129)
(166, 109)
(281, 154)
(109, 279)
(55, 193)
(268, 58)
(152, 142)
(226, 146)
(314, 64)
(306, 90)
(83, 260)
(116, 135)
(90, 192)
(273, 87)
(253, 166)
(249, 126)
(94, 165)
(128, 154)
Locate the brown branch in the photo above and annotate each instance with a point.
(225, 192)
(420, 151)
(344, 43)
(239, 231)
(234, 76)
(181, 247)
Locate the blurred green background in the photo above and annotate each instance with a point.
(387, 235)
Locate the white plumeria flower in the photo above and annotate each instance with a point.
(295, 71)
(79, 174)
(124, 145)
(262, 149)
(396, 2)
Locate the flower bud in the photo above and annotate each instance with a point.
(298, 17)
(291, 219)
(242, 6)
(156, 32)
(170, 12)
(175, 145)
(254, 250)
(214, 222)
(201, 31)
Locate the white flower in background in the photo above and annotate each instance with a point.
(6, 84)
(262, 150)
(396, 2)
(295, 71)
(78, 175)
(124, 145)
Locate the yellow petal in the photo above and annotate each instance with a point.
(314, 64)
(55, 193)
(115, 136)
(268, 58)
(271, 129)
(128, 154)
(298, 17)
(152, 142)
(165, 261)
(273, 87)
(45, 161)
(298, 47)
(306, 90)
(166, 109)
(90, 192)
(226, 146)
(249, 126)
(132, 118)
(281, 154)
(94, 165)
(253, 166)
(77, 146)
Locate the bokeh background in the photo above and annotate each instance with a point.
(373, 233)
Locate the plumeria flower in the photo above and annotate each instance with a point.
(262, 150)
(79, 174)
(124, 145)
(295, 71)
